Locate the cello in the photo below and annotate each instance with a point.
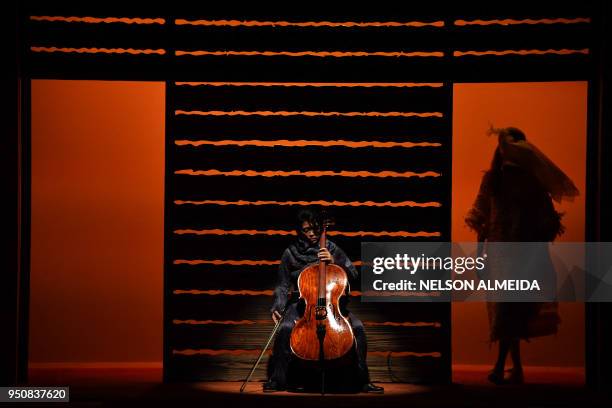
(322, 333)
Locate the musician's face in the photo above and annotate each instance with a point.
(309, 232)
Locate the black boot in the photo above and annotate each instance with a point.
(273, 386)
(370, 387)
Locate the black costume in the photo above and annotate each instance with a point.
(516, 209)
(295, 258)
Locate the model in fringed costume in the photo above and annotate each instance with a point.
(515, 204)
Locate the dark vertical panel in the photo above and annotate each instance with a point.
(23, 301)
(12, 353)
(599, 200)
(25, 186)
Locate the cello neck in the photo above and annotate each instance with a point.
(322, 268)
(323, 239)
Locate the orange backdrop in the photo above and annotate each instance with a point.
(97, 222)
(554, 117)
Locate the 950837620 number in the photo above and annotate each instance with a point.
(30, 394)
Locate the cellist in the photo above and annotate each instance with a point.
(304, 251)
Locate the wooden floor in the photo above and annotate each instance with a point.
(112, 387)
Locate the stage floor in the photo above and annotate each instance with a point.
(112, 387)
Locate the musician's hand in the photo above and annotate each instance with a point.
(325, 255)
(276, 316)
